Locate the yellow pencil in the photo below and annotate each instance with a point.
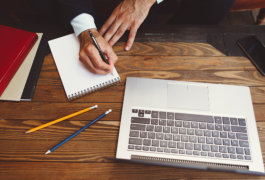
(61, 119)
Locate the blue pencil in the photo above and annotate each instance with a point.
(77, 132)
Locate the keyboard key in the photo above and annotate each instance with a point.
(158, 128)
(140, 114)
(163, 143)
(243, 144)
(222, 149)
(209, 140)
(182, 130)
(147, 112)
(205, 147)
(240, 157)
(151, 135)
(202, 125)
(134, 110)
(170, 115)
(188, 152)
(189, 146)
(194, 117)
(197, 147)
(172, 144)
(217, 141)
(239, 129)
(145, 148)
(176, 137)
(226, 142)
(193, 139)
(198, 132)
(162, 115)
(196, 153)
(207, 133)
(135, 141)
(184, 138)
(147, 142)
(247, 151)
(225, 155)
(143, 134)
(168, 136)
(159, 149)
(231, 135)
(180, 145)
(166, 129)
(242, 136)
(138, 147)
(190, 131)
(204, 153)
(174, 130)
(130, 146)
(210, 126)
(247, 158)
(201, 139)
(141, 111)
(152, 148)
(239, 151)
(234, 142)
(150, 128)
(194, 125)
(214, 148)
(162, 122)
(181, 151)
(231, 150)
(134, 134)
(154, 121)
(174, 151)
(223, 134)
(155, 143)
(178, 123)
(154, 114)
(226, 127)
(218, 119)
(225, 120)
(233, 121)
(215, 133)
(160, 136)
(166, 150)
(242, 122)
(218, 127)
(170, 123)
(232, 156)
(138, 127)
(218, 155)
(186, 124)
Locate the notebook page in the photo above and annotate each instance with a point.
(75, 77)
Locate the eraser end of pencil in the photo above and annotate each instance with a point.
(48, 152)
(94, 107)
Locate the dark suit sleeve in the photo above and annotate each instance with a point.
(72, 8)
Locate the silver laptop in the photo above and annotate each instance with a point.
(188, 124)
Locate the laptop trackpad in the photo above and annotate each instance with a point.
(184, 96)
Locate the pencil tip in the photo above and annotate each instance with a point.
(27, 132)
(48, 152)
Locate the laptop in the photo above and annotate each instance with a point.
(189, 124)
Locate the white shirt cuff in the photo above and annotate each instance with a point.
(82, 22)
(159, 1)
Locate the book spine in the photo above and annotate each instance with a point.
(94, 88)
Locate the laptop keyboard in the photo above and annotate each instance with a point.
(189, 134)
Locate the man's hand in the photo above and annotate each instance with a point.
(89, 54)
(128, 15)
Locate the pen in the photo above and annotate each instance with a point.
(61, 119)
(98, 48)
(79, 131)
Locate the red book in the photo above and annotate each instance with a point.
(15, 45)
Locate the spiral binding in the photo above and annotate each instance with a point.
(178, 161)
(94, 88)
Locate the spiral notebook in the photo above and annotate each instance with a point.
(76, 79)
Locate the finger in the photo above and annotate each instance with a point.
(112, 30)
(96, 60)
(107, 24)
(118, 34)
(112, 57)
(131, 38)
(87, 63)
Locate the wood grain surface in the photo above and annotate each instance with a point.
(91, 154)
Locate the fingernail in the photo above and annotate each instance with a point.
(127, 48)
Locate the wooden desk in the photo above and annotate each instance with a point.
(91, 154)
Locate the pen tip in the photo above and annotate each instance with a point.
(48, 152)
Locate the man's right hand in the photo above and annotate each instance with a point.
(89, 54)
